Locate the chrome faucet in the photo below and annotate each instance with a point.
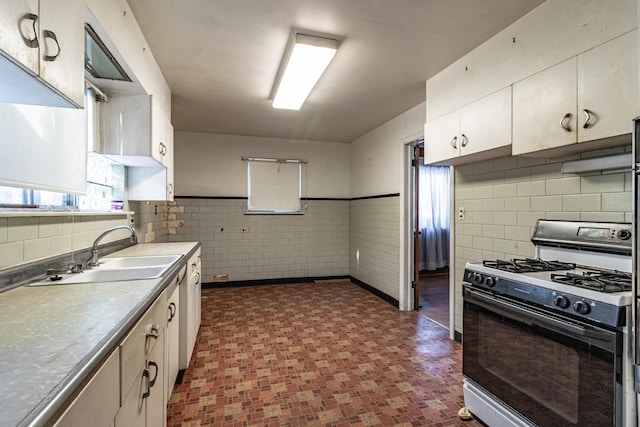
(93, 260)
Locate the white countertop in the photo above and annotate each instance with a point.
(52, 336)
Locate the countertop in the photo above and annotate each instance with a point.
(52, 337)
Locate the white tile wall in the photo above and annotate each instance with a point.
(504, 197)
(26, 239)
(30, 238)
(276, 246)
(374, 247)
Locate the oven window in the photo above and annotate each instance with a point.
(548, 377)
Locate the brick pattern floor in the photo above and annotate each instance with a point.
(317, 355)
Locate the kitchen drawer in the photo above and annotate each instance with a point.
(139, 343)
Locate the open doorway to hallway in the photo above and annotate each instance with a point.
(431, 231)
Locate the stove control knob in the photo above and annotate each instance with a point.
(561, 301)
(624, 234)
(478, 279)
(581, 307)
(490, 281)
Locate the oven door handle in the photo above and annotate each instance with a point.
(601, 338)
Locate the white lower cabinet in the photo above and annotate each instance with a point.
(142, 370)
(172, 334)
(97, 404)
(190, 296)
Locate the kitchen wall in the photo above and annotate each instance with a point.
(275, 246)
(504, 197)
(376, 224)
(211, 185)
(29, 238)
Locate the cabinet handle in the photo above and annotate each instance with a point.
(465, 140)
(587, 114)
(51, 35)
(170, 187)
(155, 377)
(153, 333)
(172, 311)
(31, 42)
(150, 382)
(163, 149)
(454, 142)
(198, 279)
(564, 119)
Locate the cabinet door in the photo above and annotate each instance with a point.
(98, 402)
(441, 138)
(540, 103)
(172, 340)
(168, 159)
(61, 29)
(608, 88)
(157, 397)
(486, 123)
(18, 32)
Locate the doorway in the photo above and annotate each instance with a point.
(430, 205)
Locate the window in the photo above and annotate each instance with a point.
(275, 185)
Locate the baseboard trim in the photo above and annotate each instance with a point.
(279, 281)
(377, 292)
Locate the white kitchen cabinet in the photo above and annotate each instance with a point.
(589, 97)
(190, 296)
(608, 88)
(172, 334)
(140, 136)
(551, 33)
(97, 403)
(481, 128)
(42, 48)
(142, 370)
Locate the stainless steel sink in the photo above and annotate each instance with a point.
(118, 270)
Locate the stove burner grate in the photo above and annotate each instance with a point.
(597, 280)
(528, 265)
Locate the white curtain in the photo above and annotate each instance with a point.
(433, 221)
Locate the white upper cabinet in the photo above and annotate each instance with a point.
(42, 48)
(608, 88)
(474, 132)
(139, 135)
(544, 109)
(590, 97)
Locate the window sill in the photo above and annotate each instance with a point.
(6, 213)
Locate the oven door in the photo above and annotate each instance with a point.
(552, 370)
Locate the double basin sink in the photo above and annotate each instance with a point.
(117, 270)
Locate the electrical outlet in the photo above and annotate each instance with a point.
(245, 229)
(460, 213)
(220, 277)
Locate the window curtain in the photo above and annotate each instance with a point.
(433, 221)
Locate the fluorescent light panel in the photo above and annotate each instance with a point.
(308, 59)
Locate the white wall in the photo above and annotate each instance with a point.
(211, 165)
(377, 251)
(377, 157)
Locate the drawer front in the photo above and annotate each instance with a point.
(140, 342)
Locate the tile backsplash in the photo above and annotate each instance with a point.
(503, 198)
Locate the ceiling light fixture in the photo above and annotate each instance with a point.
(305, 60)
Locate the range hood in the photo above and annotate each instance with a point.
(98, 60)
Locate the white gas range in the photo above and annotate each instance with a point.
(543, 337)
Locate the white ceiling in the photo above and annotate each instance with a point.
(220, 58)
